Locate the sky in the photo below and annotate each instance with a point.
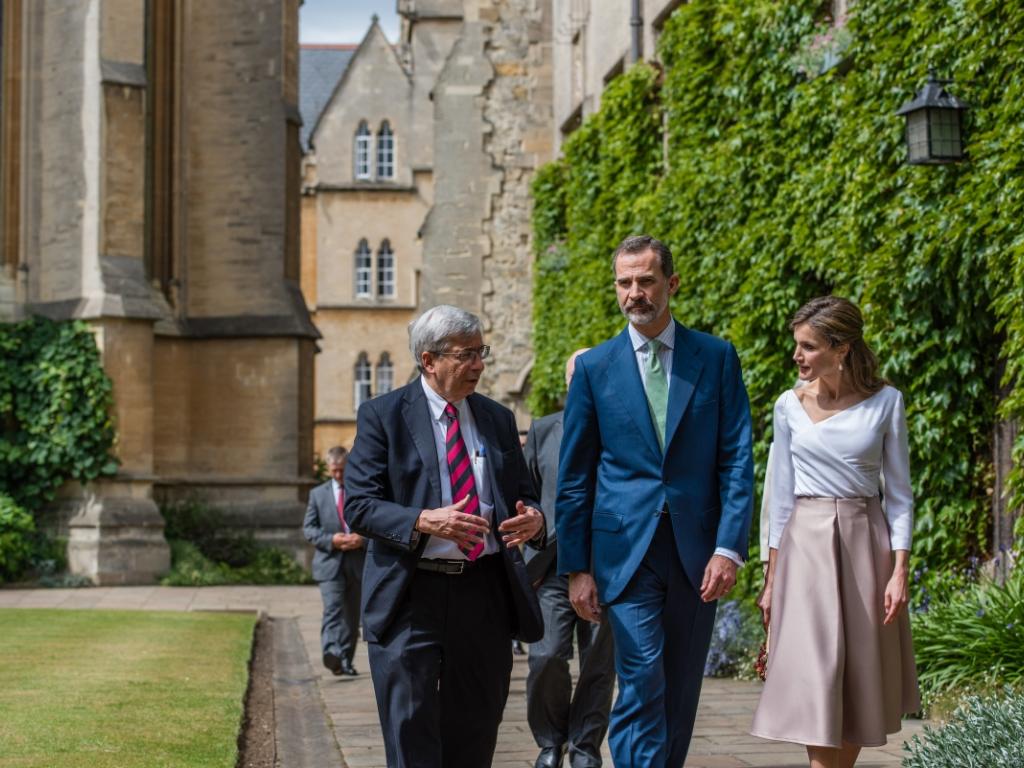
(345, 21)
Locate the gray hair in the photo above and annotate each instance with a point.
(642, 244)
(336, 454)
(434, 329)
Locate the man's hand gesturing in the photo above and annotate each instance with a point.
(453, 524)
(522, 527)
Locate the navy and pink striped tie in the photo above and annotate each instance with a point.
(460, 470)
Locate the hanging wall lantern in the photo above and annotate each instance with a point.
(934, 125)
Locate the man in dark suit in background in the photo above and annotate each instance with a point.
(559, 717)
(337, 566)
(437, 481)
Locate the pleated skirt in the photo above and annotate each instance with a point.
(835, 672)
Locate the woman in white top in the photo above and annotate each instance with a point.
(841, 665)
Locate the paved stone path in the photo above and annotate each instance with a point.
(720, 739)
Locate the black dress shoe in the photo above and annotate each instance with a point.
(347, 668)
(333, 663)
(550, 757)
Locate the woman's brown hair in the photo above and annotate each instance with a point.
(839, 321)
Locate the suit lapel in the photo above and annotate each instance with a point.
(328, 509)
(686, 370)
(628, 389)
(417, 418)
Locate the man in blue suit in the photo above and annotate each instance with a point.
(655, 492)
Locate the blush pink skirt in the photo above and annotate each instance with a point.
(835, 672)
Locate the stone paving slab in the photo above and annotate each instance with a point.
(720, 739)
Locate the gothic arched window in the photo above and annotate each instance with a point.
(386, 271)
(385, 374)
(362, 380)
(385, 152)
(364, 270)
(364, 140)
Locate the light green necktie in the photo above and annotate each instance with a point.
(657, 389)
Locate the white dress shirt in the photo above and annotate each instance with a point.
(643, 351)
(843, 457)
(438, 548)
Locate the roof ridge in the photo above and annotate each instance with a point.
(329, 46)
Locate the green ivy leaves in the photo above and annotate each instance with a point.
(771, 189)
(55, 401)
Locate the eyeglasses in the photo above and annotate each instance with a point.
(467, 355)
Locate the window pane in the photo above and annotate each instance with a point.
(364, 270)
(945, 133)
(362, 381)
(386, 271)
(385, 375)
(917, 134)
(362, 151)
(385, 152)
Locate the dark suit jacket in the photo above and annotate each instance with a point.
(392, 476)
(614, 479)
(319, 525)
(541, 449)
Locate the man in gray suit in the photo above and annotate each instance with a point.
(562, 719)
(337, 565)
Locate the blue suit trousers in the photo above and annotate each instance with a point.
(662, 630)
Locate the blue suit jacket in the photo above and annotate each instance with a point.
(392, 475)
(614, 480)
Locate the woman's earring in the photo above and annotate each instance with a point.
(840, 367)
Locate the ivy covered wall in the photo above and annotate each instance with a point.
(772, 187)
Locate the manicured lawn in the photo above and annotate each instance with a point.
(121, 689)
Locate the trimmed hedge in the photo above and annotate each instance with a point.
(772, 188)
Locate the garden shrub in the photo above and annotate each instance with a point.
(984, 732)
(17, 530)
(772, 188)
(972, 638)
(268, 565)
(206, 552)
(206, 528)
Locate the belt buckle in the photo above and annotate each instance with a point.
(457, 568)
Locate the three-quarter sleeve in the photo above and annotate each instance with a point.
(780, 481)
(899, 498)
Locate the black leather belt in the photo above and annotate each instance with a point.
(450, 567)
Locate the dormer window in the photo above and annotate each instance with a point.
(363, 148)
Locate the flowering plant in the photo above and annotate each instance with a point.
(734, 640)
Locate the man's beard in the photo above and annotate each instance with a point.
(640, 312)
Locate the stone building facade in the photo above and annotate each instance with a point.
(466, 94)
(149, 173)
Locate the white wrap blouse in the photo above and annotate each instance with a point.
(842, 457)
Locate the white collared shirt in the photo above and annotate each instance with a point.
(337, 489)
(642, 350)
(438, 548)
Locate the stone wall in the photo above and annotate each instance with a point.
(213, 383)
(518, 111)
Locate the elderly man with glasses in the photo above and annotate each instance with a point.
(438, 483)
